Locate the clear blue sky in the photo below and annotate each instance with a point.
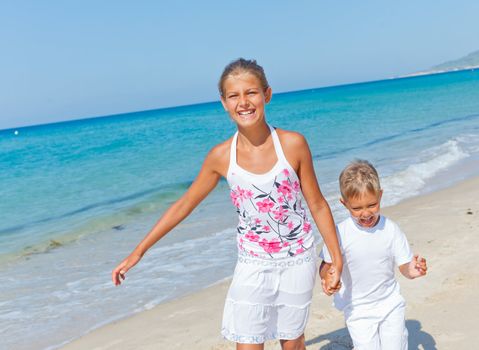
(63, 60)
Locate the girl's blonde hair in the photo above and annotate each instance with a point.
(357, 178)
(242, 65)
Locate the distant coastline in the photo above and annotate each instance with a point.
(438, 71)
(468, 62)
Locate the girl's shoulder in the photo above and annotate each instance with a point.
(295, 147)
(218, 157)
(291, 140)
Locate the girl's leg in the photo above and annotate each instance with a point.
(249, 346)
(294, 344)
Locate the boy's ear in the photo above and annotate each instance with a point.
(343, 202)
(380, 194)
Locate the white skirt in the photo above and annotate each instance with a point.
(269, 299)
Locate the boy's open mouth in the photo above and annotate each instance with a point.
(369, 221)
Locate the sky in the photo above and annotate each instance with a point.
(64, 60)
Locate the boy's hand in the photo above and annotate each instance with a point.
(331, 282)
(417, 267)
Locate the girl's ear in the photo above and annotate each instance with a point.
(268, 93)
(223, 102)
(343, 202)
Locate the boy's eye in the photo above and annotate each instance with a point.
(252, 93)
(372, 205)
(232, 96)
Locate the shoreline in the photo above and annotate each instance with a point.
(440, 225)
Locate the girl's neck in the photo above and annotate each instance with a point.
(255, 136)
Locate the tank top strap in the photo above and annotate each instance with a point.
(277, 145)
(233, 163)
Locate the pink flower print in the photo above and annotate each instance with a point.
(241, 192)
(251, 236)
(286, 244)
(235, 199)
(299, 250)
(280, 213)
(257, 221)
(296, 186)
(266, 228)
(280, 200)
(286, 172)
(307, 227)
(284, 188)
(300, 241)
(272, 246)
(253, 253)
(290, 225)
(265, 205)
(290, 197)
(248, 194)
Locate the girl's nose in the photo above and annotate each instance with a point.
(243, 100)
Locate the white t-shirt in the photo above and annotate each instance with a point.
(369, 259)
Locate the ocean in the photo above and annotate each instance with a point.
(76, 197)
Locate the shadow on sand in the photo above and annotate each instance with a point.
(340, 339)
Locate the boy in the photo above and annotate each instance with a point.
(371, 245)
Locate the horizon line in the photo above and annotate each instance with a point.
(409, 76)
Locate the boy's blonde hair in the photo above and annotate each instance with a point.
(357, 178)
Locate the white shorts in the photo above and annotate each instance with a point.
(269, 299)
(377, 329)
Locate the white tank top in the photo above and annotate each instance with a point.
(272, 220)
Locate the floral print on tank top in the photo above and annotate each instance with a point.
(272, 220)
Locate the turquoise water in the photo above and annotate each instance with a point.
(77, 196)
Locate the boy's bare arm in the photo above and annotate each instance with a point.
(417, 267)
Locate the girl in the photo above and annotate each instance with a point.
(268, 171)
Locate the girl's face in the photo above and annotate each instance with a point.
(244, 98)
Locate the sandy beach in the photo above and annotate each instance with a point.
(441, 312)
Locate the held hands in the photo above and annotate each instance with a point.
(331, 282)
(417, 267)
(118, 274)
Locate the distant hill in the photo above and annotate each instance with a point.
(470, 61)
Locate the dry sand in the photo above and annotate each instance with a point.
(442, 310)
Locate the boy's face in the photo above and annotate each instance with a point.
(365, 208)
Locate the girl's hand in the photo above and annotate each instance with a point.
(331, 282)
(118, 274)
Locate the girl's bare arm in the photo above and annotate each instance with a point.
(213, 168)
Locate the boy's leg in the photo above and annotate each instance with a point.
(392, 330)
(364, 333)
